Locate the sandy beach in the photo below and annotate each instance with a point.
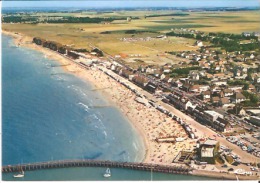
(149, 122)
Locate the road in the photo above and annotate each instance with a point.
(201, 130)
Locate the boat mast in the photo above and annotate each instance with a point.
(151, 174)
(237, 178)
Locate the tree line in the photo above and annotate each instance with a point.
(18, 19)
(171, 14)
(229, 42)
(21, 19)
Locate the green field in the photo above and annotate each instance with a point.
(83, 35)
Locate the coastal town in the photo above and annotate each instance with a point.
(197, 108)
(218, 112)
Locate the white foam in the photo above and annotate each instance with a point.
(134, 144)
(84, 105)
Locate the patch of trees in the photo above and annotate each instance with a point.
(138, 31)
(194, 63)
(229, 42)
(233, 36)
(239, 82)
(99, 52)
(201, 82)
(105, 32)
(183, 71)
(186, 35)
(80, 20)
(171, 14)
(171, 52)
(87, 19)
(250, 46)
(18, 19)
(253, 70)
(253, 99)
(231, 45)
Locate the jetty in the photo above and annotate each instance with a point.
(97, 163)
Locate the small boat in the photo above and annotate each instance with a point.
(20, 175)
(108, 173)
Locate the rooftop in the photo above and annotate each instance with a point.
(210, 142)
(213, 113)
(254, 111)
(207, 152)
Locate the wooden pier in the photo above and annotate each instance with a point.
(97, 163)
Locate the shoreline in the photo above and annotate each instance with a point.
(139, 116)
(121, 98)
(22, 40)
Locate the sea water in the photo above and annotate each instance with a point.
(96, 173)
(50, 114)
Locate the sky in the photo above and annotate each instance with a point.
(133, 3)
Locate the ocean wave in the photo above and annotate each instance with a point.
(86, 108)
(105, 133)
(135, 146)
(70, 86)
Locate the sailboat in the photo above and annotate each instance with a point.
(19, 175)
(108, 173)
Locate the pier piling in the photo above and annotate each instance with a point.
(97, 163)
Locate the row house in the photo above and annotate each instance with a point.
(151, 87)
(167, 79)
(180, 102)
(73, 54)
(195, 74)
(256, 77)
(140, 80)
(236, 88)
(206, 95)
(38, 40)
(198, 113)
(198, 88)
(211, 118)
(126, 73)
(257, 87)
(226, 93)
(51, 45)
(221, 125)
(237, 98)
(177, 83)
(62, 50)
(219, 82)
(224, 102)
(215, 100)
(251, 88)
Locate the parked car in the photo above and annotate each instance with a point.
(224, 166)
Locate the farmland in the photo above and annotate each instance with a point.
(149, 24)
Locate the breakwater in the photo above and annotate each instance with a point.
(97, 163)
